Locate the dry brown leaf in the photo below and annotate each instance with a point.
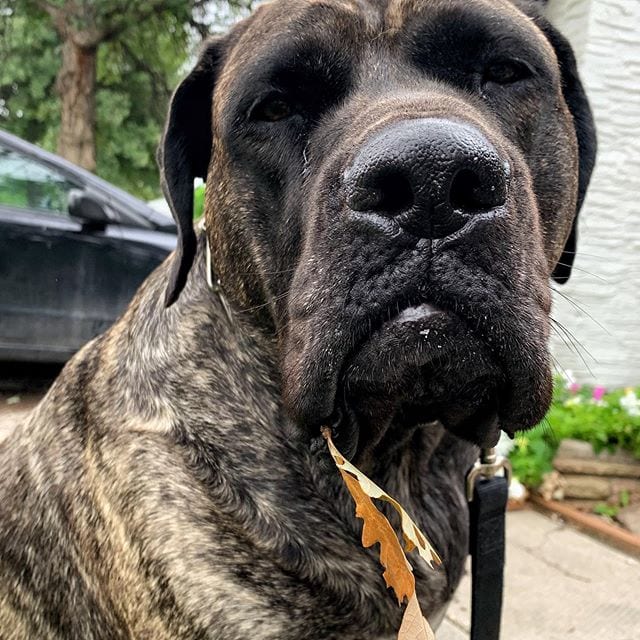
(376, 528)
(413, 537)
(398, 573)
(414, 625)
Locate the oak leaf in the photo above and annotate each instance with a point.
(413, 537)
(414, 625)
(376, 528)
(398, 573)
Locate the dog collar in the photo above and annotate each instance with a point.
(212, 282)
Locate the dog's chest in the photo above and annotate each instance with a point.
(285, 544)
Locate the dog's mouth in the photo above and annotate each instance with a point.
(424, 365)
(421, 366)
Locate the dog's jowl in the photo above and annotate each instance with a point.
(391, 185)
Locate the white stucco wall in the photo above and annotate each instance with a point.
(606, 280)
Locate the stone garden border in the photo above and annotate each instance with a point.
(591, 524)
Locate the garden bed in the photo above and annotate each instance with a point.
(585, 457)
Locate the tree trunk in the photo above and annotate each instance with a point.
(76, 84)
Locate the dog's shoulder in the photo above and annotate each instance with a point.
(107, 465)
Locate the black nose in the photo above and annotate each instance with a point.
(429, 174)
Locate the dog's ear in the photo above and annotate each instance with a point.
(578, 104)
(184, 154)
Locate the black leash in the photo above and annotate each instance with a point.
(487, 493)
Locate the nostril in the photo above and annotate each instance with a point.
(396, 194)
(388, 192)
(464, 189)
(470, 192)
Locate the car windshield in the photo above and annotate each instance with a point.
(28, 184)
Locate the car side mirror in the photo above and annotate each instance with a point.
(87, 209)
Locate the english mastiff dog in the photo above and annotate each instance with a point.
(391, 185)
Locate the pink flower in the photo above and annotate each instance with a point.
(574, 387)
(598, 393)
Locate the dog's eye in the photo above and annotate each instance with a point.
(272, 109)
(507, 71)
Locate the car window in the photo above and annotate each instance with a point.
(28, 184)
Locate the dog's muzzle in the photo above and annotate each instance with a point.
(415, 316)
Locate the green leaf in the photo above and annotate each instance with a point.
(624, 498)
(604, 509)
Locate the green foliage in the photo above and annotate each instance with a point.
(625, 498)
(604, 423)
(532, 456)
(135, 79)
(198, 202)
(30, 50)
(604, 509)
(136, 73)
(612, 509)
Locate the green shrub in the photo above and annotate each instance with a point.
(198, 202)
(587, 414)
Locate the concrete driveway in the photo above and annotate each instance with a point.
(560, 584)
(14, 408)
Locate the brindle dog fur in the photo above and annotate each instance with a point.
(171, 484)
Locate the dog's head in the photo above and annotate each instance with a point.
(390, 186)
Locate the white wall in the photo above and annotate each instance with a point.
(606, 280)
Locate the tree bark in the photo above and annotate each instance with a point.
(76, 85)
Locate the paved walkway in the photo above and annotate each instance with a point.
(560, 584)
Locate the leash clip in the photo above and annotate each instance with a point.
(488, 466)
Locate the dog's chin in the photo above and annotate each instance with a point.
(422, 366)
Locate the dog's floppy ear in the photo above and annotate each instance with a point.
(184, 154)
(578, 104)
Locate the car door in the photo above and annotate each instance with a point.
(36, 256)
(61, 281)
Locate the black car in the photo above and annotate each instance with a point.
(73, 250)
